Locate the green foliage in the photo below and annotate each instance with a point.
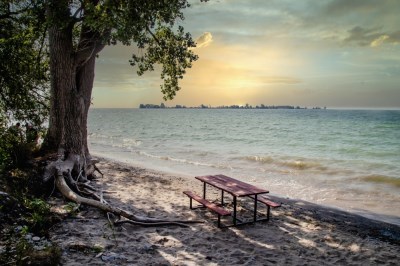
(28, 217)
(171, 50)
(5, 144)
(24, 75)
(23, 253)
(24, 230)
(14, 151)
(39, 213)
(72, 208)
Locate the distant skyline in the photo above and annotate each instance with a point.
(334, 53)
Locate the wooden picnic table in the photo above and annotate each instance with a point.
(237, 189)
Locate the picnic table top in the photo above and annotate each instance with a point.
(233, 186)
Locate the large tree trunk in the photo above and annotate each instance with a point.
(71, 88)
(72, 75)
(61, 71)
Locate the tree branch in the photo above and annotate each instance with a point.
(152, 35)
(90, 44)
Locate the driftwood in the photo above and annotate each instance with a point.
(79, 192)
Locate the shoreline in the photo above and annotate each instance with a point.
(318, 211)
(298, 232)
(380, 217)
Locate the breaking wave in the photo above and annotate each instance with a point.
(293, 164)
(183, 161)
(388, 180)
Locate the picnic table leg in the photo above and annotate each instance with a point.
(234, 210)
(204, 190)
(191, 205)
(255, 208)
(222, 198)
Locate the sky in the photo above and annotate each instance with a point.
(333, 53)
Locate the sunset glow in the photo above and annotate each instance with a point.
(334, 53)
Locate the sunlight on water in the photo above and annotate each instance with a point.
(349, 159)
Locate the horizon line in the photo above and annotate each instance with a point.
(308, 108)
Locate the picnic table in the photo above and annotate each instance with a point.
(235, 188)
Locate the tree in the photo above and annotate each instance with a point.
(76, 32)
(24, 71)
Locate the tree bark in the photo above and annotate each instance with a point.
(61, 71)
(85, 79)
(72, 76)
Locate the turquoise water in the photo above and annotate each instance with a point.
(344, 158)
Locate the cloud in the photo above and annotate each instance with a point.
(394, 37)
(204, 40)
(340, 7)
(379, 41)
(362, 36)
(371, 37)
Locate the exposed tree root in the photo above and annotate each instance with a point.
(64, 182)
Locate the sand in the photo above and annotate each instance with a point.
(298, 233)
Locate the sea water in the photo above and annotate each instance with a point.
(348, 159)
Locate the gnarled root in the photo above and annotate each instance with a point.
(62, 171)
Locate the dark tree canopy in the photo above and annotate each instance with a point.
(49, 48)
(147, 25)
(52, 46)
(24, 69)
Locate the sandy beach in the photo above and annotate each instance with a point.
(298, 233)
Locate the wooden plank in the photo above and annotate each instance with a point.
(212, 180)
(231, 185)
(267, 201)
(206, 203)
(242, 185)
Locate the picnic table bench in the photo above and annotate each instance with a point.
(237, 189)
(211, 206)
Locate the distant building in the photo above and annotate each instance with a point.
(149, 106)
(246, 106)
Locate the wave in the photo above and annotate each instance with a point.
(183, 161)
(294, 164)
(133, 142)
(303, 165)
(100, 136)
(115, 141)
(383, 179)
(261, 159)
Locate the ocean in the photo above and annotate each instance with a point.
(348, 159)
